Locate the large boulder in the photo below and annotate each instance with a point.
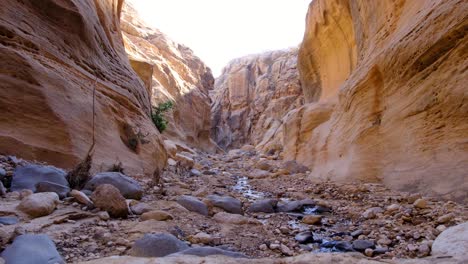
(61, 190)
(227, 203)
(157, 245)
(39, 204)
(28, 176)
(108, 198)
(209, 251)
(263, 206)
(32, 249)
(193, 204)
(452, 242)
(127, 186)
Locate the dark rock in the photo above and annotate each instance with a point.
(108, 198)
(344, 246)
(3, 190)
(264, 206)
(46, 186)
(208, 251)
(26, 177)
(305, 237)
(357, 233)
(361, 245)
(380, 250)
(209, 172)
(8, 220)
(157, 245)
(127, 186)
(294, 167)
(32, 249)
(319, 209)
(295, 206)
(340, 234)
(228, 204)
(193, 204)
(328, 244)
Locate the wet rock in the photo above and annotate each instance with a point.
(141, 208)
(208, 251)
(81, 197)
(295, 206)
(157, 245)
(26, 177)
(60, 190)
(264, 206)
(8, 220)
(372, 212)
(312, 219)
(195, 173)
(293, 167)
(39, 204)
(193, 204)
(32, 249)
(452, 242)
(305, 237)
(127, 186)
(227, 203)
(235, 219)
(108, 198)
(420, 203)
(156, 215)
(343, 246)
(361, 245)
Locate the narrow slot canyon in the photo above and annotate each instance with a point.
(119, 144)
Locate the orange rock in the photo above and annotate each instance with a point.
(108, 198)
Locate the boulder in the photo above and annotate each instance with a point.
(26, 177)
(227, 203)
(295, 206)
(193, 204)
(108, 198)
(208, 251)
(45, 186)
(39, 204)
(184, 160)
(156, 215)
(263, 206)
(157, 245)
(32, 249)
(127, 186)
(452, 242)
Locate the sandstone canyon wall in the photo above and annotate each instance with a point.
(52, 54)
(251, 97)
(388, 79)
(171, 72)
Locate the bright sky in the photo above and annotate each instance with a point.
(221, 30)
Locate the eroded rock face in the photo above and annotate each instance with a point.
(251, 97)
(171, 72)
(52, 55)
(393, 75)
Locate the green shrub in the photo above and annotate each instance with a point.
(158, 117)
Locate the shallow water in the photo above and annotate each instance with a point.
(242, 186)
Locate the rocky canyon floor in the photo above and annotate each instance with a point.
(252, 204)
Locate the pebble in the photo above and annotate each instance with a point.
(420, 203)
(369, 252)
(372, 212)
(285, 250)
(312, 219)
(103, 215)
(156, 215)
(274, 246)
(393, 207)
(445, 218)
(263, 247)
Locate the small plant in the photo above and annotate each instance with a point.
(157, 115)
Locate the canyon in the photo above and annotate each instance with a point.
(349, 148)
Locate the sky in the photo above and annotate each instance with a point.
(221, 30)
